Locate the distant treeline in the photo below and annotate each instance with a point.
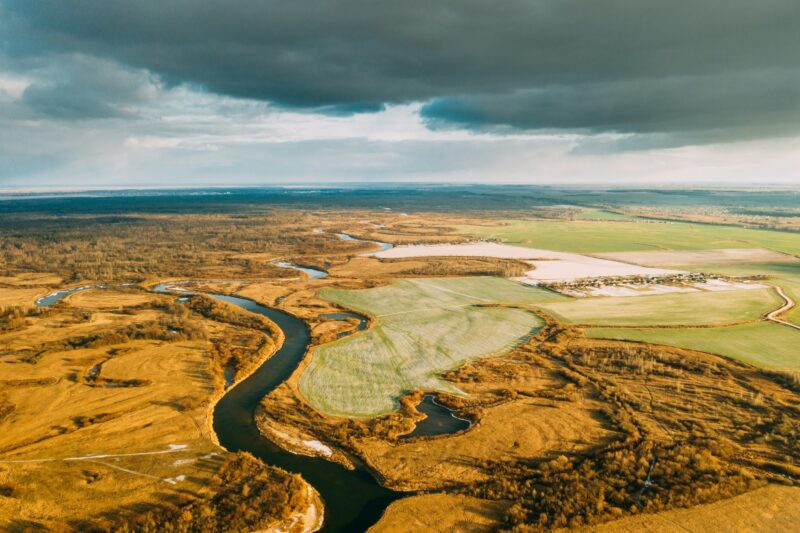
(429, 198)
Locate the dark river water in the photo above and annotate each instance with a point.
(353, 499)
(440, 420)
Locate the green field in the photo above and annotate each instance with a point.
(764, 345)
(785, 274)
(618, 236)
(423, 328)
(694, 308)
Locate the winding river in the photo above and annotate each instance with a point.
(353, 499)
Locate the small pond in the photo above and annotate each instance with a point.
(440, 420)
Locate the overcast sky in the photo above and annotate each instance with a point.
(205, 92)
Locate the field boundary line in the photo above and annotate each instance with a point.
(129, 471)
(419, 282)
(94, 457)
(423, 309)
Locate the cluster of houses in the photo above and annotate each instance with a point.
(641, 285)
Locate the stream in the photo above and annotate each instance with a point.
(314, 273)
(353, 499)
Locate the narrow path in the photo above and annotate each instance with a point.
(773, 316)
(172, 448)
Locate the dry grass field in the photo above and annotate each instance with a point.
(772, 508)
(441, 512)
(123, 437)
(99, 448)
(541, 428)
(116, 299)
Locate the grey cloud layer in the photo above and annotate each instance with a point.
(80, 87)
(734, 105)
(639, 66)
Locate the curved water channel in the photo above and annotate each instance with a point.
(353, 499)
(314, 273)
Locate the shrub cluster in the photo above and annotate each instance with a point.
(246, 496)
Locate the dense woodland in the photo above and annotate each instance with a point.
(134, 247)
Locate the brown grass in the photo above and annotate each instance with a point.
(119, 398)
(771, 508)
(111, 298)
(500, 390)
(440, 512)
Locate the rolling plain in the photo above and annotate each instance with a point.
(567, 408)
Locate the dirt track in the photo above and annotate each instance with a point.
(773, 316)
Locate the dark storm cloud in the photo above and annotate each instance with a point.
(622, 65)
(80, 87)
(737, 104)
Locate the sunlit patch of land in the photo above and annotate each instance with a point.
(641, 235)
(764, 345)
(636, 412)
(104, 405)
(422, 328)
(693, 308)
(441, 512)
(772, 508)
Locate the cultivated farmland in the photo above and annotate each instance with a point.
(619, 236)
(699, 258)
(764, 345)
(693, 308)
(423, 328)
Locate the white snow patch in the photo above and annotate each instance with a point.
(722, 285)
(550, 265)
(318, 446)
